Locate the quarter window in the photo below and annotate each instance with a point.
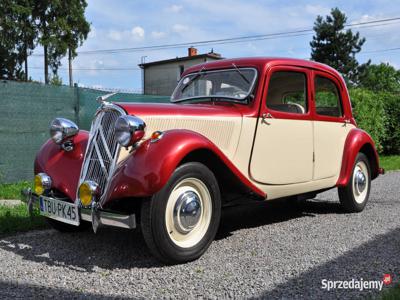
(287, 92)
(327, 99)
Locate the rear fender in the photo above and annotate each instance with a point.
(150, 166)
(357, 141)
(63, 167)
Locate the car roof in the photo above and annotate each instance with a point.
(261, 62)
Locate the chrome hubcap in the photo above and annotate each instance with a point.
(187, 211)
(360, 182)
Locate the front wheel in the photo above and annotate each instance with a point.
(354, 196)
(181, 220)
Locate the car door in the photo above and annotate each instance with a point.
(331, 125)
(283, 146)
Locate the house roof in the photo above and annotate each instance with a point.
(185, 58)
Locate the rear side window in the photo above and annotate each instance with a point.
(327, 98)
(287, 92)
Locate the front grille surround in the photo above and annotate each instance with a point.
(102, 150)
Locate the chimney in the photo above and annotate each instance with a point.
(192, 51)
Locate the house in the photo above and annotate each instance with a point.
(160, 77)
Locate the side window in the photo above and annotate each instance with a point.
(327, 99)
(287, 92)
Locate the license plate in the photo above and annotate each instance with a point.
(59, 210)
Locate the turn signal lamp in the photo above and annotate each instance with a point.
(88, 192)
(42, 183)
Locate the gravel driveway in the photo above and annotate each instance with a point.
(265, 250)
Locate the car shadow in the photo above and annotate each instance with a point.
(23, 290)
(114, 248)
(257, 214)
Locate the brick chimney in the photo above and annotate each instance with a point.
(192, 51)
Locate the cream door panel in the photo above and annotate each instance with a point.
(282, 152)
(329, 139)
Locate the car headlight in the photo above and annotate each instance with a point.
(129, 130)
(42, 183)
(88, 192)
(61, 129)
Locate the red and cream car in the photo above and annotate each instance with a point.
(267, 128)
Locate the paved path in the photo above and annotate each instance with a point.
(262, 250)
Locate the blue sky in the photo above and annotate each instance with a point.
(135, 23)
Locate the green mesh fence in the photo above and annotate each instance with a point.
(26, 110)
(88, 104)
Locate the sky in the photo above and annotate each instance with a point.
(137, 23)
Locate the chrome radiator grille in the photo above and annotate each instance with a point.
(102, 150)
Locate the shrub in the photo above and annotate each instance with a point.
(369, 112)
(391, 142)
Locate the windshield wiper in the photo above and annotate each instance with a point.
(240, 73)
(197, 75)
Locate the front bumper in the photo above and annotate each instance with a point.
(96, 216)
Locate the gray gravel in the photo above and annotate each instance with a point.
(266, 250)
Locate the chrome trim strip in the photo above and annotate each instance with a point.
(111, 219)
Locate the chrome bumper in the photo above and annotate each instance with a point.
(97, 217)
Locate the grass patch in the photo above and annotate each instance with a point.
(16, 219)
(13, 190)
(390, 162)
(391, 294)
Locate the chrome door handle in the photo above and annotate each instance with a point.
(347, 121)
(264, 118)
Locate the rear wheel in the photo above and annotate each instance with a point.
(354, 196)
(181, 220)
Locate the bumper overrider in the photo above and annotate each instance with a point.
(95, 215)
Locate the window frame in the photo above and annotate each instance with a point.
(288, 115)
(339, 87)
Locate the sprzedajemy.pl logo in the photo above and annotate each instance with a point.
(356, 284)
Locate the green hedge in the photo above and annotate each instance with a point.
(378, 113)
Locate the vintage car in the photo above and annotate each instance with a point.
(249, 128)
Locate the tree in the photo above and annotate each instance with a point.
(334, 46)
(382, 77)
(62, 28)
(10, 57)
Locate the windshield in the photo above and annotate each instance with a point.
(234, 84)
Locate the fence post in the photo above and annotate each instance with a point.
(77, 104)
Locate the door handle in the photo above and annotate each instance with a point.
(264, 118)
(347, 121)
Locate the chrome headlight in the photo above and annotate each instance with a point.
(60, 129)
(129, 130)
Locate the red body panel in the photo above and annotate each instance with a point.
(355, 140)
(63, 167)
(148, 169)
(150, 166)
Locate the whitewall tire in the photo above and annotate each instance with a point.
(181, 220)
(354, 196)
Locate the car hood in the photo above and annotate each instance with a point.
(220, 123)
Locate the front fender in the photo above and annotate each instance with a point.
(63, 167)
(357, 140)
(149, 168)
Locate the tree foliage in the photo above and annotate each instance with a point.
(382, 77)
(17, 35)
(336, 47)
(58, 25)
